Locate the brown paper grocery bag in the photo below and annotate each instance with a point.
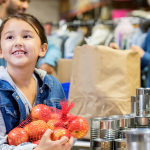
(103, 81)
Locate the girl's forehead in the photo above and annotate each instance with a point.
(14, 23)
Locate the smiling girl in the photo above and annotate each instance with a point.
(22, 86)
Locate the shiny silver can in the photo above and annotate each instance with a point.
(138, 139)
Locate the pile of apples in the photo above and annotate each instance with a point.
(44, 117)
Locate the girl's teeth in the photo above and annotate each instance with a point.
(19, 53)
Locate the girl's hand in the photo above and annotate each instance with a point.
(47, 144)
(138, 49)
(69, 143)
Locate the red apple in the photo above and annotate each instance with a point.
(26, 127)
(78, 127)
(58, 133)
(55, 116)
(68, 119)
(36, 142)
(17, 136)
(70, 115)
(41, 112)
(52, 124)
(37, 129)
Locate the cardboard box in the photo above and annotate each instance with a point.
(64, 70)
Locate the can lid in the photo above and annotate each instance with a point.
(103, 119)
(140, 91)
(131, 115)
(102, 140)
(121, 117)
(137, 131)
(120, 140)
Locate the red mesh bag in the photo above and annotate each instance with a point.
(43, 117)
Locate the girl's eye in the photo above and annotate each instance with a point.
(10, 37)
(26, 36)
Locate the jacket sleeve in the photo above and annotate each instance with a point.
(3, 139)
(145, 60)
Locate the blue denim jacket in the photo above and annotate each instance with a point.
(12, 107)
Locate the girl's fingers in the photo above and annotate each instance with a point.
(71, 139)
(63, 140)
(48, 133)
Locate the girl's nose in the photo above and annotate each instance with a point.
(18, 43)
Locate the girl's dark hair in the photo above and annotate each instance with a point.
(33, 21)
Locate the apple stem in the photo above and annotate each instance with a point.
(65, 108)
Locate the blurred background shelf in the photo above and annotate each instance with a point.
(87, 8)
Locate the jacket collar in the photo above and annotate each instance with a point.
(47, 81)
(5, 86)
(42, 77)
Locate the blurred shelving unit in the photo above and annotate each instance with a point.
(87, 8)
(125, 4)
(121, 8)
(70, 9)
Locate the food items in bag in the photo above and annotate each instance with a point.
(78, 127)
(26, 127)
(17, 136)
(55, 116)
(41, 112)
(58, 133)
(37, 129)
(43, 117)
(53, 123)
(68, 119)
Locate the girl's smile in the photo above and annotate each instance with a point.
(19, 53)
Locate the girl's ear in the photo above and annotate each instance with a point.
(1, 55)
(43, 50)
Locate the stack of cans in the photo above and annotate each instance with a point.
(104, 128)
(125, 122)
(124, 132)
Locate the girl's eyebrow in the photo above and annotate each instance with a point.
(9, 32)
(23, 31)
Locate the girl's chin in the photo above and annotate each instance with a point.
(18, 64)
